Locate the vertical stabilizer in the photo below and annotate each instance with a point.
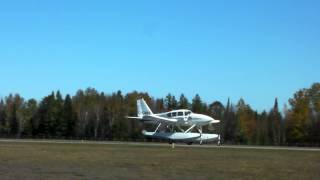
(143, 108)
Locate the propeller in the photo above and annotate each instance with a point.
(187, 118)
(211, 126)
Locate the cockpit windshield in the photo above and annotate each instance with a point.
(187, 113)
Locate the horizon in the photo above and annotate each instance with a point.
(257, 51)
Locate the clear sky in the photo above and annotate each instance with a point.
(257, 50)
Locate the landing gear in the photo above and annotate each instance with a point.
(200, 131)
(157, 127)
(189, 143)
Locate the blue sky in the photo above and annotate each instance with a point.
(257, 50)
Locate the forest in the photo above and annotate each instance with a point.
(94, 115)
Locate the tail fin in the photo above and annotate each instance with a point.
(143, 108)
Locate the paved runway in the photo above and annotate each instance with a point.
(160, 144)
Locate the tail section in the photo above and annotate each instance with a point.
(143, 108)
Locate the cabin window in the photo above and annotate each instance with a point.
(180, 113)
(187, 113)
(174, 114)
(169, 114)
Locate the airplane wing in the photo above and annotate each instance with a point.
(160, 119)
(131, 117)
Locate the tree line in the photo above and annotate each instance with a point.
(91, 114)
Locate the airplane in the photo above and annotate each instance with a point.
(176, 118)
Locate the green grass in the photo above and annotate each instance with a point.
(94, 161)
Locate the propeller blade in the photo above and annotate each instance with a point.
(211, 127)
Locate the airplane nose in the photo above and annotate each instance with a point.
(209, 118)
(204, 118)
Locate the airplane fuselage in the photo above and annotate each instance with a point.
(184, 118)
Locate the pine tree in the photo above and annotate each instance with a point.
(183, 102)
(171, 102)
(274, 123)
(197, 105)
(68, 118)
(262, 128)
(29, 114)
(3, 119)
(230, 124)
(160, 107)
(216, 110)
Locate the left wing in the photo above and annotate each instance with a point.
(160, 119)
(131, 117)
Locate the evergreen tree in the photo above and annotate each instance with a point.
(13, 115)
(160, 106)
(60, 127)
(197, 105)
(216, 110)
(50, 114)
(230, 124)
(262, 135)
(183, 102)
(171, 102)
(68, 118)
(3, 119)
(273, 125)
(31, 117)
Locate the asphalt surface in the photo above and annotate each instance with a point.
(160, 144)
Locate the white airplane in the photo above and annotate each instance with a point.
(179, 118)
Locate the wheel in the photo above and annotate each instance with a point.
(189, 143)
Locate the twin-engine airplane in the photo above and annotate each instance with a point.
(179, 118)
